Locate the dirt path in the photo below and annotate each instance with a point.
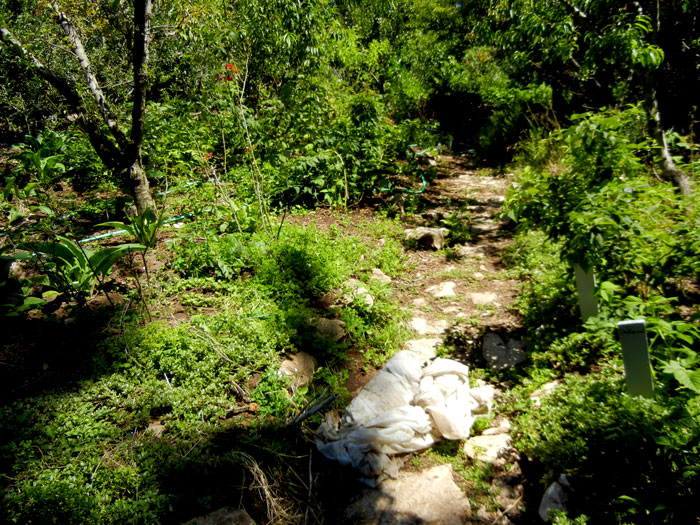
(460, 297)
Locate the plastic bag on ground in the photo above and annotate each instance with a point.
(407, 406)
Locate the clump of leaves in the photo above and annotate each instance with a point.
(71, 269)
(626, 457)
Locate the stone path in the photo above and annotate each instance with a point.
(459, 296)
(464, 293)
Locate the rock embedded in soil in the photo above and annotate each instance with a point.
(554, 498)
(300, 368)
(380, 276)
(495, 449)
(427, 238)
(329, 328)
(543, 391)
(426, 348)
(357, 293)
(454, 311)
(224, 516)
(498, 355)
(479, 227)
(471, 251)
(445, 289)
(433, 216)
(425, 327)
(429, 496)
(483, 298)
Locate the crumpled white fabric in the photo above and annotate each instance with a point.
(406, 407)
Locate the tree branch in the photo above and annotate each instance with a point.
(142, 22)
(93, 84)
(105, 149)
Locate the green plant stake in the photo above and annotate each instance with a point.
(586, 285)
(635, 354)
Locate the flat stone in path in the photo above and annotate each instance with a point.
(495, 449)
(426, 348)
(445, 289)
(424, 327)
(429, 496)
(498, 355)
(483, 297)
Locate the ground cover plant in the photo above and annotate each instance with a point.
(257, 156)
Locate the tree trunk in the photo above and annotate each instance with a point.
(139, 59)
(669, 170)
(138, 184)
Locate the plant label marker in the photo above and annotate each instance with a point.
(635, 355)
(585, 285)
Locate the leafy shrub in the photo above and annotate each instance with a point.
(628, 459)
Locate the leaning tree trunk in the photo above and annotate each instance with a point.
(669, 170)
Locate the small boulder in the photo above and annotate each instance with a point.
(427, 238)
(300, 368)
(329, 328)
(554, 498)
(429, 496)
(495, 449)
(445, 289)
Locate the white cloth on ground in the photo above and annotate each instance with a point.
(406, 407)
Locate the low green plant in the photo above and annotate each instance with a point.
(634, 457)
(16, 291)
(459, 226)
(42, 156)
(143, 228)
(71, 269)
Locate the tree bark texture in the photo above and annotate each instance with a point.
(139, 58)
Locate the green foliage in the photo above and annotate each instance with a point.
(459, 227)
(72, 270)
(143, 228)
(591, 431)
(42, 156)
